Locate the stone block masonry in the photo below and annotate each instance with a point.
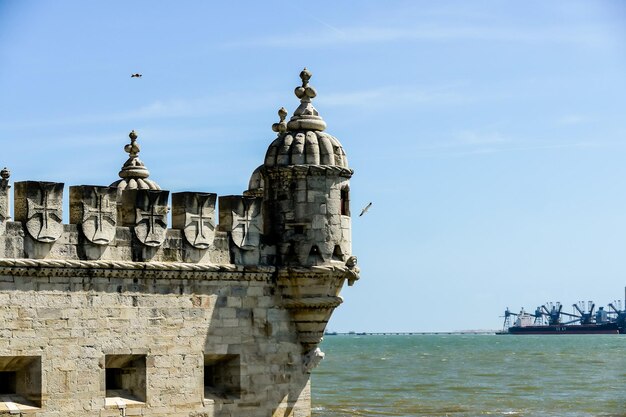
(73, 316)
(120, 313)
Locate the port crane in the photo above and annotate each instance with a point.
(538, 316)
(585, 316)
(507, 317)
(620, 315)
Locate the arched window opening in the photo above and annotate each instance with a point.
(338, 254)
(315, 257)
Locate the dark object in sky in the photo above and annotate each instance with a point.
(136, 75)
(365, 209)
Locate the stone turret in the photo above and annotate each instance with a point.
(306, 188)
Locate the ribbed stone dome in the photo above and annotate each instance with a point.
(306, 148)
(135, 184)
(302, 140)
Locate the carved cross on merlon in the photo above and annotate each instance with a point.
(94, 209)
(243, 218)
(194, 214)
(39, 207)
(151, 216)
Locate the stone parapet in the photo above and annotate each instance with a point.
(133, 225)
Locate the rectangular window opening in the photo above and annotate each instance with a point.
(125, 380)
(20, 383)
(222, 376)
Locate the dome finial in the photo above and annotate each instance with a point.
(133, 147)
(133, 167)
(306, 116)
(5, 174)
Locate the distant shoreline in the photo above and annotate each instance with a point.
(458, 332)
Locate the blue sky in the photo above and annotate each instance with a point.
(490, 136)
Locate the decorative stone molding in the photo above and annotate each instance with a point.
(303, 171)
(313, 303)
(122, 269)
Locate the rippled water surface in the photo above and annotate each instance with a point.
(473, 375)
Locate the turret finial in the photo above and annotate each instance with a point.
(306, 116)
(4, 174)
(133, 167)
(305, 76)
(133, 147)
(134, 174)
(281, 126)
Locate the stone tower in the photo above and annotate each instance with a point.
(218, 312)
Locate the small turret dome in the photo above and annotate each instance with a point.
(302, 140)
(306, 148)
(256, 184)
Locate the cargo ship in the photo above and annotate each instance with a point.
(551, 319)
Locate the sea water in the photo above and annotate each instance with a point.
(471, 375)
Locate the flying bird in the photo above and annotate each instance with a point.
(365, 209)
(135, 75)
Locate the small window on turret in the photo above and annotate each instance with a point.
(315, 257)
(345, 201)
(338, 254)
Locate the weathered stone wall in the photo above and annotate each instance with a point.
(73, 316)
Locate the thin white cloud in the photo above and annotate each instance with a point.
(245, 102)
(159, 109)
(572, 119)
(589, 36)
(468, 137)
(507, 146)
(394, 96)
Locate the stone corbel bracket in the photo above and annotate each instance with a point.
(311, 295)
